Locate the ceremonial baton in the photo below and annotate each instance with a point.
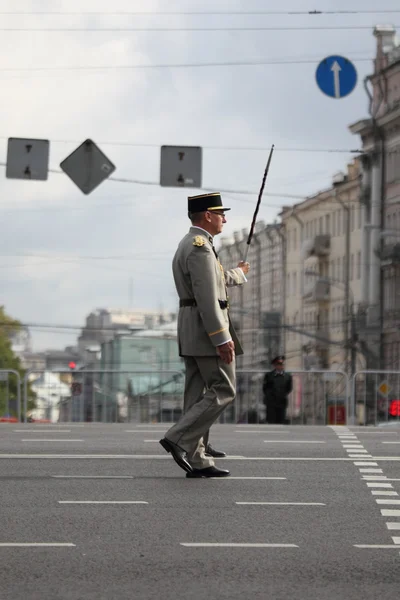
(258, 204)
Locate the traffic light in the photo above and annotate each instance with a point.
(72, 365)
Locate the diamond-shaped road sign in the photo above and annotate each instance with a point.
(27, 159)
(181, 166)
(87, 166)
(384, 388)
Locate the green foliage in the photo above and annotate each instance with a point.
(8, 360)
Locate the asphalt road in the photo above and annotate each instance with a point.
(307, 514)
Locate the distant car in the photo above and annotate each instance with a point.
(8, 419)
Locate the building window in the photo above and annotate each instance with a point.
(334, 224)
(358, 265)
(321, 225)
(352, 218)
(327, 223)
(359, 216)
(351, 267)
(295, 239)
(294, 284)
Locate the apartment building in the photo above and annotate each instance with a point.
(323, 273)
(380, 137)
(257, 308)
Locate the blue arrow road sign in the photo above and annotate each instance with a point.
(336, 76)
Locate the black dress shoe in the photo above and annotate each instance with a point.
(178, 454)
(208, 472)
(214, 453)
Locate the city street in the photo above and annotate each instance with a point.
(101, 512)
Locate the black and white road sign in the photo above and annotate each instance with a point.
(181, 166)
(87, 166)
(27, 159)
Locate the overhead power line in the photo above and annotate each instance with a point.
(192, 29)
(112, 68)
(205, 12)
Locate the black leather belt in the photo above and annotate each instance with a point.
(223, 304)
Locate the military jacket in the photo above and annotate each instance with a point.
(199, 276)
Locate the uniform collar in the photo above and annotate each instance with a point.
(208, 235)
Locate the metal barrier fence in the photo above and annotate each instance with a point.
(10, 394)
(151, 396)
(107, 396)
(376, 397)
(319, 397)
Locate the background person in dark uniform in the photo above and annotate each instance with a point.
(277, 386)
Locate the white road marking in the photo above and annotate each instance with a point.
(52, 440)
(144, 431)
(383, 493)
(166, 457)
(263, 431)
(396, 540)
(371, 470)
(393, 526)
(35, 545)
(92, 476)
(371, 484)
(229, 478)
(384, 501)
(374, 478)
(42, 430)
(388, 512)
(353, 446)
(232, 545)
(360, 456)
(282, 503)
(101, 502)
(390, 442)
(377, 546)
(292, 442)
(362, 451)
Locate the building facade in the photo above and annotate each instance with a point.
(323, 274)
(380, 136)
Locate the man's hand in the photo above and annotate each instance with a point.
(226, 352)
(245, 266)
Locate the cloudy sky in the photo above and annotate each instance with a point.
(64, 254)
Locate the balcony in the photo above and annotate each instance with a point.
(317, 291)
(319, 246)
(390, 254)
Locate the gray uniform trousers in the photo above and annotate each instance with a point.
(210, 386)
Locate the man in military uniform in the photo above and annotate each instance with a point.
(207, 340)
(277, 386)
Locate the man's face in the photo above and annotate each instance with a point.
(216, 219)
(279, 366)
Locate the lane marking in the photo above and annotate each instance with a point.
(390, 442)
(144, 431)
(92, 476)
(371, 484)
(389, 512)
(357, 451)
(393, 526)
(396, 540)
(101, 502)
(371, 470)
(292, 442)
(166, 457)
(378, 546)
(383, 493)
(366, 464)
(384, 501)
(374, 478)
(42, 430)
(360, 456)
(263, 431)
(232, 545)
(282, 503)
(35, 545)
(354, 446)
(229, 478)
(52, 440)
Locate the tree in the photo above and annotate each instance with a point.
(8, 360)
